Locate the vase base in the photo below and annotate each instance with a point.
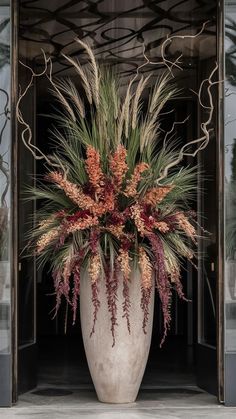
(116, 370)
(116, 401)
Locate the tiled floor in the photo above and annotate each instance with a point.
(65, 390)
(150, 404)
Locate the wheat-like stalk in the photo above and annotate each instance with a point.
(139, 90)
(68, 87)
(83, 76)
(94, 70)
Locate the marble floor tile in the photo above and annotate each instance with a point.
(65, 390)
(117, 412)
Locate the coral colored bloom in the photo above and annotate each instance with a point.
(93, 169)
(124, 261)
(94, 268)
(116, 230)
(155, 195)
(108, 202)
(185, 225)
(81, 224)
(136, 214)
(162, 226)
(118, 166)
(145, 268)
(73, 191)
(131, 188)
(43, 224)
(47, 238)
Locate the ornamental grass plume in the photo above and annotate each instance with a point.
(104, 211)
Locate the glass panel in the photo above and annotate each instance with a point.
(230, 176)
(5, 192)
(207, 219)
(27, 274)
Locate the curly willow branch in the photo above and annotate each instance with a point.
(26, 134)
(202, 141)
(170, 64)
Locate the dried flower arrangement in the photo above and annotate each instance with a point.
(115, 198)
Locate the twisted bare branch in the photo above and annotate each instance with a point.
(169, 39)
(26, 134)
(202, 141)
(172, 129)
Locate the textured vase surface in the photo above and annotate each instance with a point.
(116, 371)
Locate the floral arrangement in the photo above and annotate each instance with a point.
(107, 205)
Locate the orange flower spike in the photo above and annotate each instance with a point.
(136, 215)
(93, 168)
(119, 166)
(145, 268)
(109, 198)
(46, 222)
(47, 238)
(94, 268)
(74, 192)
(131, 188)
(82, 224)
(124, 261)
(155, 195)
(162, 226)
(116, 230)
(186, 226)
(106, 205)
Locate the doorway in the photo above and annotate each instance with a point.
(61, 361)
(181, 364)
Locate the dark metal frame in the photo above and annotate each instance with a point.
(220, 183)
(14, 197)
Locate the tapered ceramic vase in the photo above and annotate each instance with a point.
(116, 371)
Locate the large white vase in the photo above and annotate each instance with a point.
(116, 371)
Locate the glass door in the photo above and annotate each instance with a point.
(17, 273)
(207, 270)
(5, 204)
(230, 202)
(27, 349)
